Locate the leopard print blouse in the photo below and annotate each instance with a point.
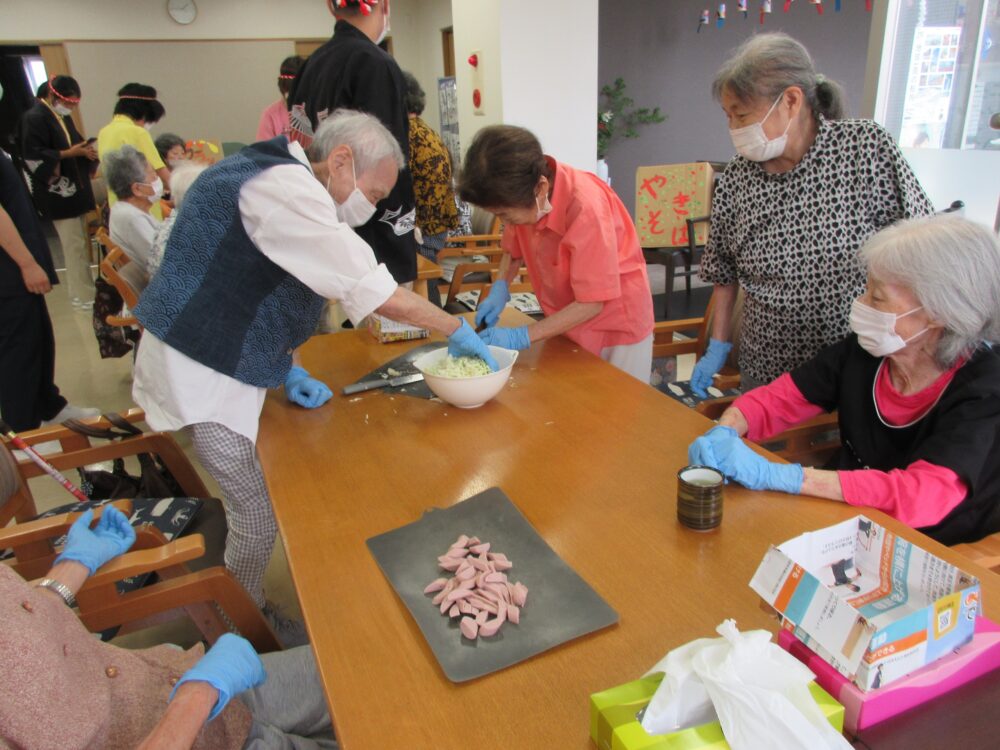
(791, 240)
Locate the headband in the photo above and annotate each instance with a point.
(68, 99)
(141, 98)
(286, 77)
(365, 5)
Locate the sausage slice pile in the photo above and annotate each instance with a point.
(478, 592)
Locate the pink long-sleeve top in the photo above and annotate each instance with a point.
(919, 495)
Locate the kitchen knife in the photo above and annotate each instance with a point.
(368, 385)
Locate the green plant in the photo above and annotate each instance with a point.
(618, 119)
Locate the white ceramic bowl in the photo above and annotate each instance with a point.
(467, 393)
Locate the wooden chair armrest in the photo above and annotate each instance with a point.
(713, 407)
(471, 239)
(58, 432)
(159, 443)
(51, 527)
(676, 326)
(115, 320)
(136, 563)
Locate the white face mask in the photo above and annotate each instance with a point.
(61, 110)
(157, 186)
(876, 330)
(357, 209)
(543, 208)
(385, 30)
(752, 142)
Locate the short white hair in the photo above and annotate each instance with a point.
(122, 169)
(952, 266)
(182, 177)
(369, 140)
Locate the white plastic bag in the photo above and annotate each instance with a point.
(759, 692)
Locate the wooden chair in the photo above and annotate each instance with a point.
(124, 275)
(469, 277)
(78, 450)
(214, 601)
(696, 333)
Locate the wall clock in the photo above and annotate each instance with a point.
(182, 11)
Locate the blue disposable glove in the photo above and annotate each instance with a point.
(112, 536)
(508, 338)
(465, 343)
(231, 666)
(710, 363)
(491, 307)
(722, 449)
(304, 390)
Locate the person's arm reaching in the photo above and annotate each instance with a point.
(719, 346)
(768, 410)
(35, 279)
(186, 714)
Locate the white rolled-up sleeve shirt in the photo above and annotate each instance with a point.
(292, 220)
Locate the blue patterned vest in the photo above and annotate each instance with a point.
(216, 297)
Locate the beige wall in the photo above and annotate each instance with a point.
(213, 90)
(37, 20)
(215, 75)
(416, 44)
(477, 28)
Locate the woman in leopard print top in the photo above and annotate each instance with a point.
(792, 209)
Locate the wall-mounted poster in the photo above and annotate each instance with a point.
(448, 107)
(668, 195)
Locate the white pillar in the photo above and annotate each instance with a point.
(549, 75)
(537, 69)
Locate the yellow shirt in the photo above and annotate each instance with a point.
(120, 131)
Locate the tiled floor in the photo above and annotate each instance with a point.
(87, 380)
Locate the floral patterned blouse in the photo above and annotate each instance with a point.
(430, 166)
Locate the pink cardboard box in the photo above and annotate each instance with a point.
(864, 709)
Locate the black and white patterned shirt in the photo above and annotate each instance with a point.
(791, 240)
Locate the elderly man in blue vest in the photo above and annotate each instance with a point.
(263, 239)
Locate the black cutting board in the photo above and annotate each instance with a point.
(561, 606)
(403, 365)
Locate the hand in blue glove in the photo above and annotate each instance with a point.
(465, 343)
(231, 666)
(304, 390)
(710, 363)
(491, 307)
(112, 536)
(508, 338)
(722, 449)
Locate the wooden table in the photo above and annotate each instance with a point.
(589, 455)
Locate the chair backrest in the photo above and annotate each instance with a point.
(124, 275)
(666, 196)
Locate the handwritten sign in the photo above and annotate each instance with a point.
(668, 195)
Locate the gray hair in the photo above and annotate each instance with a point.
(415, 98)
(952, 266)
(765, 65)
(369, 140)
(122, 168)
(182, 178)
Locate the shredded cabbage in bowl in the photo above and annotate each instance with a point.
(459, 367)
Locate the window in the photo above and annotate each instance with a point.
(34, 69)
(941, 74)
